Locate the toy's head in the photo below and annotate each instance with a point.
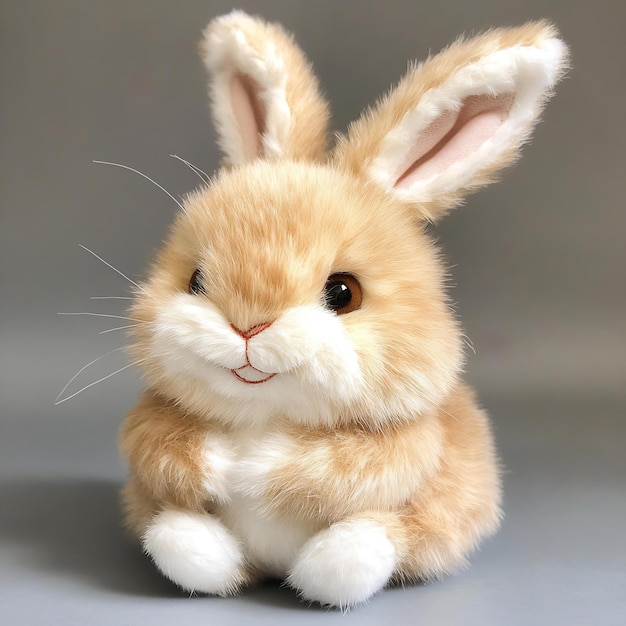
(300, 284)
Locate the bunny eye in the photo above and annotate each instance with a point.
(195, 286)
(343, 293)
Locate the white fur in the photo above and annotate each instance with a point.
(271, 542)
(194, 550)
(275, 545)
(345, 564)
(307, 347)
(219, 459)
(188, 326)
(261, 450)
(229, 53)
(528, 71)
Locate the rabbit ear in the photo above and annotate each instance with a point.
(264, 97)
(458, 118)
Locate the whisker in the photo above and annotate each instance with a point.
(204, 177)
(110, 330)
(96, 382)
(110, 298)
(82, 369)
(468, 343)
(132, 169)
(119, 317)
(456, 419)
(132, 282)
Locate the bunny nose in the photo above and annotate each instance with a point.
(252, 331)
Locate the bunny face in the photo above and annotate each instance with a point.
(240, 314)
(301, 284)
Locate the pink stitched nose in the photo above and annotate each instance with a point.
(252, 331)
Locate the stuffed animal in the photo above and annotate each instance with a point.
(304, 416)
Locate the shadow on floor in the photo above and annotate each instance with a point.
(73, 528)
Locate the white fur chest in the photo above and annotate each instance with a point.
(247, 459)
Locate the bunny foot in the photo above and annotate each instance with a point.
(195, 551)
(345, 564)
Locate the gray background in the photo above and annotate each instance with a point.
(538, 268)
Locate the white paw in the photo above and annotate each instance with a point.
(196, 551)
(345, 564)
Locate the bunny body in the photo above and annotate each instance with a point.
(304, 417)
(295, 501)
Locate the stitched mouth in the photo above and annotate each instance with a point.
(250, 375)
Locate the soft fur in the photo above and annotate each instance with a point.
(275, 437)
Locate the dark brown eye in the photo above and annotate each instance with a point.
(195, 283)
(343, 293)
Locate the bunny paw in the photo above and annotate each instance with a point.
(195, 551)
(345, 564)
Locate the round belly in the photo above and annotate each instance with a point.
(271, 543)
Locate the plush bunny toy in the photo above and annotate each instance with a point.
(304, 417)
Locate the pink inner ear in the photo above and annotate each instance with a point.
(452, 137)
(249, 112)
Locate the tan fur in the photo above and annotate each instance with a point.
(356, 150)
(139, 507)
(433, 483)
(163, 445)
(329, 477)
(412, 451)
(396, 264)
(456, 504)
(310, 112)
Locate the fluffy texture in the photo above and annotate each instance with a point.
(515, 68)
(277, 437)
(276, 231)
(264, 97)
(196, 551)
(345, 564)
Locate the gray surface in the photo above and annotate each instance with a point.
(559, 558)
(539, 262)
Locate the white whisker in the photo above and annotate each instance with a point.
(448, 414)
(110, 330)
(110, 298)
(201, 174)
(468, 343)
(132, 169)
(95, 383)
(82, 369)
(119, 317)
(132, 282)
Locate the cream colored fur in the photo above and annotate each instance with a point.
(295, 115)
(275, 437)
(528, 72)
(526, 61)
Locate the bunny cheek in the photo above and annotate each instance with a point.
(303, 366)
